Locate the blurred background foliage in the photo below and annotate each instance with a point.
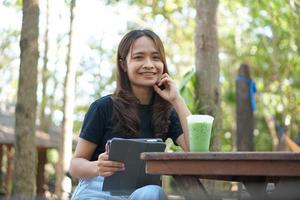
(263, 34)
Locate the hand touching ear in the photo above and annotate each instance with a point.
(169, 92)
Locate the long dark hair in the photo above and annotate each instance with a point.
(125, 104)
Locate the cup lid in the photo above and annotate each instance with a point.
(200, 118)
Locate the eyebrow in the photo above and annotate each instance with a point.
(141, 53)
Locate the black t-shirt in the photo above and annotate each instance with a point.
(97, 124)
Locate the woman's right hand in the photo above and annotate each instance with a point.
(107, 167)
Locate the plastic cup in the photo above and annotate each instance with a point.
(199, 132)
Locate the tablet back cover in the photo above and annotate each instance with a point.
(128, 151)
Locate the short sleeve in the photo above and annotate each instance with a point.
(94, 122)
(175, 129)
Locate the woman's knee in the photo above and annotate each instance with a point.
(149, 192)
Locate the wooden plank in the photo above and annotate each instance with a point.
(276, 156)
(42, 160)
(2, 192)
(9, 169)
(236, 168)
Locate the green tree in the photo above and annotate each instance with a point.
(265, 36)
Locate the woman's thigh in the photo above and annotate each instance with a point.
(92, 189)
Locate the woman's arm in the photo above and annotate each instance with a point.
(182, 111)
(81, 166)
(172, 95)
(291, 144)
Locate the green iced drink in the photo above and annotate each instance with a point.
(199, 132)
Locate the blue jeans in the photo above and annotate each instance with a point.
(92, 189)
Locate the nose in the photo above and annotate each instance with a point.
(148, 64)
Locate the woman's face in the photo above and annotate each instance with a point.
(144, 65)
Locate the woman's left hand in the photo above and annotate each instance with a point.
(169, 92)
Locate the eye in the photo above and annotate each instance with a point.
(137, 57)
(156, 57)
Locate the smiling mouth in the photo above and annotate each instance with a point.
(148, 73)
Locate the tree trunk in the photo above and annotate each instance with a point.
(25, 148)
(207, 65)
(65, 147)
(270, 121)
(244, 111)
(44, 122)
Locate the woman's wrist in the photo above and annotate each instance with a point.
(181, 107)
(178, 102)
(84, 169)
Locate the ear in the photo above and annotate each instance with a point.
(123, 65)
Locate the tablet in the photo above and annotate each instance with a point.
(128, 151)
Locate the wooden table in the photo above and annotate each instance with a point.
(254, 169)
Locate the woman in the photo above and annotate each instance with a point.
(145, 104)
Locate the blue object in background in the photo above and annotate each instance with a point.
(252, 89)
